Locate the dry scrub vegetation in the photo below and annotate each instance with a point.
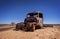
(46, 33)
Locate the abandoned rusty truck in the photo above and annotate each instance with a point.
(33, 21)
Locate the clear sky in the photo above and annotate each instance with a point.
(16, 10)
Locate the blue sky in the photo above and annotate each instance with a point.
(16, 10)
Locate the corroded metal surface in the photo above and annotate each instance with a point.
(33, 20)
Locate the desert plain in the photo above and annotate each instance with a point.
(9, 32)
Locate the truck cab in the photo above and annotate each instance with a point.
(38, 17)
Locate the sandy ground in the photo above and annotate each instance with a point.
(47, 33)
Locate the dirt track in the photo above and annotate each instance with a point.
(47, 33)
(4, 28)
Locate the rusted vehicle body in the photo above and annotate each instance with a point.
(34, 20)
